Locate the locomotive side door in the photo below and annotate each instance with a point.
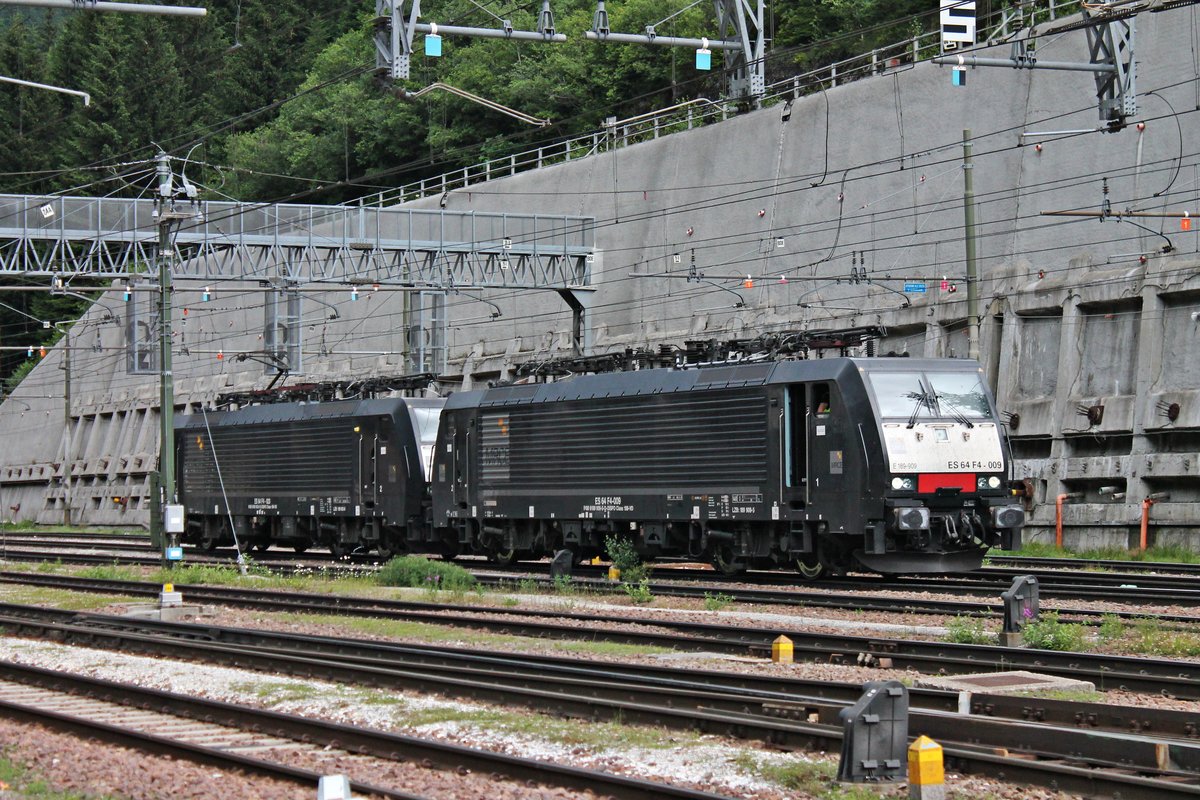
(794, 446)
(368, 449)
(826, 456)
(459, 438)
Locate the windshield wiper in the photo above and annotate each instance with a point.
(955, 411)
(923, 399)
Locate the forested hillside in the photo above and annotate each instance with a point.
(279, 101)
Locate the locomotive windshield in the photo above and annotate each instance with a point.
(929, 395)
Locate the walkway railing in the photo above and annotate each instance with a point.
(700, 112)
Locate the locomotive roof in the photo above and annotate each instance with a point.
(287, 412)
(660, 381)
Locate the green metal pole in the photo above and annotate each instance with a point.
(166, 413)
(972, 273)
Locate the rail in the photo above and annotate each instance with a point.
(700, 112)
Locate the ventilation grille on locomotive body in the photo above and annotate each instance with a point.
(694, 439)
(316, 459)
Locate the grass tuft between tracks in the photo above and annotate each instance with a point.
(1166, 553)
(596, 736)
(62, 598)
(424, 632)
(16, 778)
(425, 573)
(816, 779)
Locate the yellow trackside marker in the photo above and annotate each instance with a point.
(168, 587)
(596, 561)
(614, 574)
(926, 775)
(781, 650)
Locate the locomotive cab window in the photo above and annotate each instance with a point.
(960, 393)
(821, 399)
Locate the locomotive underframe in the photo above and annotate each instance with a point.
(956, 540)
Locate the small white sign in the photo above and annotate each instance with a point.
(174, 519)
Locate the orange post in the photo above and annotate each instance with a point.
(1145, 524)
(1058, 504)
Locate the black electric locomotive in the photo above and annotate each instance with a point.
(894, 465)
(345, 475)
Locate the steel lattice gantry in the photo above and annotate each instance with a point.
(298, 244)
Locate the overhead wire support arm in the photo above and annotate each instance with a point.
(1109, 25)
(740, 32)
(127, 8)
(394, 32)
(665, 41)
(87, 98)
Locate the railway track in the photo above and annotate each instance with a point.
(863, 595)
(1154, 676)
(225, 735)
(786, 713)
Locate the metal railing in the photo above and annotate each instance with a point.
(700, 112)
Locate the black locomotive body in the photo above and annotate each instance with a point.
(345, 475)
(893, 465)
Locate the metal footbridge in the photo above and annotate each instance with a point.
(114, 238)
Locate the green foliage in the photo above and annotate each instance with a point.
(18, 374)
(110, 572)
(831, 30)
(1111, 628)
(621, 552)
(207, 574)
(17, 781)
(1041, 550)
(815, 779)
(563, 585)
(1174, 553)
(624, 556)
(639, 592)
(716, 602)
(1048, 633)
(1153, 637)
(968, 630)
(424, 573)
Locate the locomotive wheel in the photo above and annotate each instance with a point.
(504, 557)
(809, 567)
(339, 549)
(209, 543)
(390, 547)
(300, 547)
(725, 562)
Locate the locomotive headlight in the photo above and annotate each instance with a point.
(993, 482)
(903, 484)
(1008, 516)
(912, 519)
